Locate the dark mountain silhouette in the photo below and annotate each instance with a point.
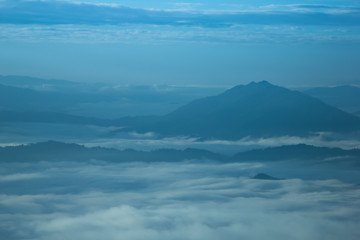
(297, 152)
(28, 99)
(257, 109)
(263, 176)
(346, 98)
(58, 151)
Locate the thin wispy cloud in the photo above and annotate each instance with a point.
(112, 22)
(154, 34)
(21, 176)
(226, 146)
(58, 12)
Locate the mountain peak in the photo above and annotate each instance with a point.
(252, 87)
(260, 83)
(258, 109)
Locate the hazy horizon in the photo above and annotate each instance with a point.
(301, 43)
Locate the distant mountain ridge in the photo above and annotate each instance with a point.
(343, 97)
(254, 110)
(94, 99)
(257, 109)
(32, 82)
(28, 99)
(296, 152)
(51, 117)
(58, 151)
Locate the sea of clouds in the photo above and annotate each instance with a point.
(187, 200)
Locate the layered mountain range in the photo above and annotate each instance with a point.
(58, 151)
(254, 110)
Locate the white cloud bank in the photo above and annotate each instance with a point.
(177, 201)
(222, 146)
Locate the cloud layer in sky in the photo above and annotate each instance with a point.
(254, 31)
(60, 12)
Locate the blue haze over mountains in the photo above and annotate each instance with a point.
(137, 119)
(259, 110)
(73, 182)
(62, 188)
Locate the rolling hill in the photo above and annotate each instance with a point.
(51, 117)
(58, 151)
(301, 152)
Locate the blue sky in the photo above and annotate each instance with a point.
(291, 43)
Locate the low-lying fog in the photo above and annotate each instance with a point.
(91, 136)
(187, 200)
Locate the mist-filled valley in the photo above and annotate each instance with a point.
(131, 175)
(188, 199)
